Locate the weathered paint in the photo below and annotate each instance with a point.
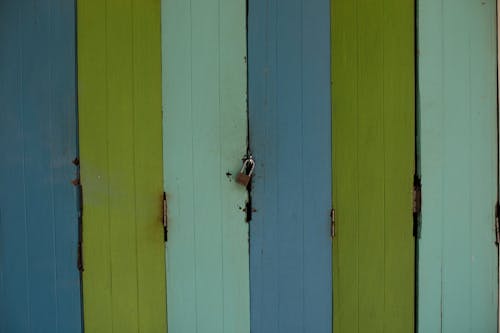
(119, 69)
(458, 165)
(39, 278)
(373, 165)
(290, 136)
(205, 130)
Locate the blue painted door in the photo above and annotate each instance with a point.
(290, 137)
(457, 266)
(39, 277)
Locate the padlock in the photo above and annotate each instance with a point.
(245, 174)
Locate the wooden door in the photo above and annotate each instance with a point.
(373, 165)
(457, 62)
(119, 72)
(39, 277)
(205, 131)
(290, 138)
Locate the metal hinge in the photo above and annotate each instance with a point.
(417, 204)
(80, 229)
(165, 218)
(332, 223)
(79, 203)
(497, 223)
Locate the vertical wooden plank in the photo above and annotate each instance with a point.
(232, 99)
(92, 110)
(263, 306)
(39, 279)
(371, 165)
(289, 38)
(208, 242)
(35, 96)
(399, 142)
(262, 36)
(14, 293)
(458, 202)
(483, 161)
(176, 95)
(146, 23)
(120, 141)
(458, 156)
(204, 78)
(120, 113)
(65, 131)
(373, 121)
(290, 129)
(345, 111)
(430, 22)
(498, 156)
(317, 165)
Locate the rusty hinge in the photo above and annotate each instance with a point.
(80, 228)
(332, 222)
(79, 204)
(165, 218)
(497, 223)
(417, 204)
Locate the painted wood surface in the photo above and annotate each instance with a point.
(290, 136)
(205, 130)
(39, 278)
(458, 166)
(498, 159)
(373, 165)
(119, 69)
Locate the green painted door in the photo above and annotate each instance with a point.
(373, 165)
(457, 63)
(205, 131)
(119, 72)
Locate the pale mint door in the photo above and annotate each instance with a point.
(205, 133)
(457, 279)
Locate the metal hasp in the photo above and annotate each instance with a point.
(373, 108)
(39, 278)
(457, 117)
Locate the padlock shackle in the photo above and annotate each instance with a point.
(249, 163)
